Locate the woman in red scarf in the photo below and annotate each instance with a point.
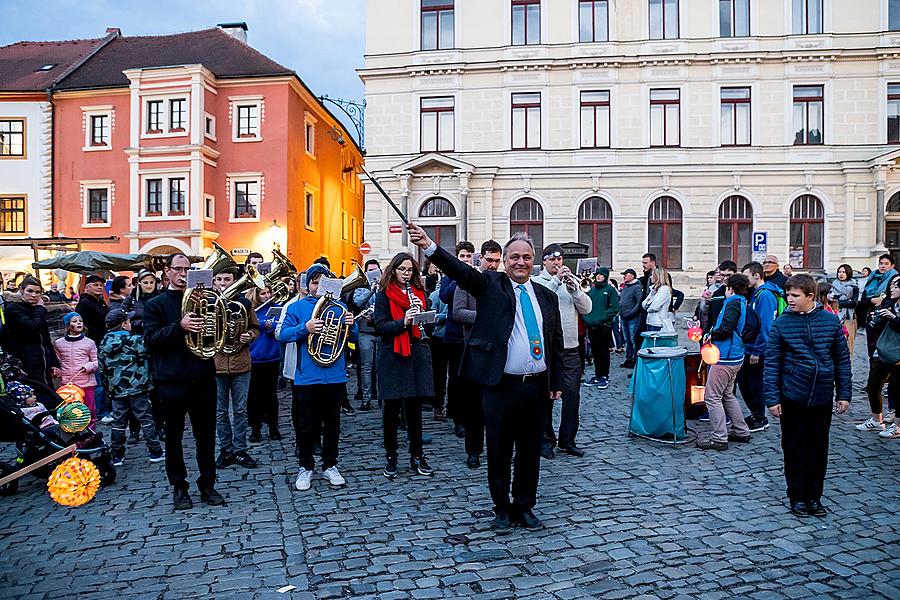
(402, 360)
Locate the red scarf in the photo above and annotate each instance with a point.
(399, 300)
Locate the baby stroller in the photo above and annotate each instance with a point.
(33, 443)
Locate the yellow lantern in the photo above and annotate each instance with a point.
(710, 354)
(70, 393)
(74, 482)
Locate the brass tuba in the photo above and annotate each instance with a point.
(209, 306)
(238, 316)
(326, 347)
(281, 267)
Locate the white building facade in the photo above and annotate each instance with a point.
(675, 126)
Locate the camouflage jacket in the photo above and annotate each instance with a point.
(124, 364)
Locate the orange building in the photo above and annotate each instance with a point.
(171, 142)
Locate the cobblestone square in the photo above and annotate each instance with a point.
(633, 518)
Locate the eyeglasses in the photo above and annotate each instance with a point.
(769, 262)
(403, 270)
(180, 269)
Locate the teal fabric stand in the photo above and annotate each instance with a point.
(658, 387)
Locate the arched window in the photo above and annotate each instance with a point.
(735, 230)
(438, 219)
(664, 231)
(807, 243)
(528, 216)
(595, 228)
(892, 224)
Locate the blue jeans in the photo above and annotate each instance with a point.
(617, 332)
(232, 430)
(629, 330)
(366, 350)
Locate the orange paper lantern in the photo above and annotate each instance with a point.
(70, 393)
(74, 482)
(695, 333)
(709, 353)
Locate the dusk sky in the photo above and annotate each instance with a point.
(322, 40)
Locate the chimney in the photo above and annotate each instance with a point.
(236, 30)
(113, 31)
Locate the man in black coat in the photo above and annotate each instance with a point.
(185, 383)
(515, 352)
(92, 308)
(26, 335)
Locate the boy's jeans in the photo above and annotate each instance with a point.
(139, 406)
(232, 429)
(629, 330)
(366, 350)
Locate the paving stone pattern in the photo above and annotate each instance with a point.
(633, 519)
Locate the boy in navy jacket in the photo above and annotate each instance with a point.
(806, 361)
(317, 390)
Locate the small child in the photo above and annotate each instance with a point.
(125, 372)
(318, 391)
(23, 396)
(77, 356)
(806, 361)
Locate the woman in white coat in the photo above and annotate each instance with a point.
(658, 301)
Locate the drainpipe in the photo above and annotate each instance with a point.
(52, 161)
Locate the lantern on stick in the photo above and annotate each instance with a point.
(74, 482)
(70, 393)
(709, 353)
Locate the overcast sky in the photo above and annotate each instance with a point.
(322, 40)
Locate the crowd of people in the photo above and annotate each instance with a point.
(512, 331)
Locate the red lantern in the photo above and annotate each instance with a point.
(695, 333)
(710, 354)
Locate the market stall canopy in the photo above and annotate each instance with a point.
(91, 261)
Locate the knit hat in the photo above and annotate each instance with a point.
(19, 392)
(144, 272)
(315, 270)
(68, 317)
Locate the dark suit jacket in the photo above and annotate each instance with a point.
(485, 352)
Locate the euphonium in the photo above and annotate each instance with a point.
(281, 267)
(326, 347)
(209, 306)
(218, 260)
(238, 316)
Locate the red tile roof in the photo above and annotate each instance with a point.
(225, 56)
(20, 63)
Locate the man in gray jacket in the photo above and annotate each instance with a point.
(572, 302)
(464, 311)
(630, 314)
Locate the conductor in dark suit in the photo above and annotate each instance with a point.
(515, 352)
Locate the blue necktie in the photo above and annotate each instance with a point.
(531, 324)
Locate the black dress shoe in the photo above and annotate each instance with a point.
(800, 508)
(528, 521)
(502, 524)
(223, 461)
(815, 508)
(459, 430)
(274, 434)
(548, 453)
(212, 497)
(473, 462)
(572, 450)
(255, 436)
(182, 499)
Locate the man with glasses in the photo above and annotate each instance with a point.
(186, 385)
(772, 273)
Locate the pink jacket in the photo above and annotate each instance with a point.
(72, 356)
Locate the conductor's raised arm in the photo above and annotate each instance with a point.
(469, 279)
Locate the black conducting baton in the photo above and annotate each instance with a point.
(386, 196)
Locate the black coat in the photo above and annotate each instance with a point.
(484, 356)
(27, 337)
(93, 313)
(399, 376)
(171, 361)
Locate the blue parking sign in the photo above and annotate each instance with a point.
(760, 241)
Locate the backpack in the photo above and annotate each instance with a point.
(752, 326)
(780, 301)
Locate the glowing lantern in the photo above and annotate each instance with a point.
(695, 333)
(709, 353)
(70, 393)
(698, 393)
(74, 482)
(73, 417)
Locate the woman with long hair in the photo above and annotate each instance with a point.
(886, 315)
(265, 362)
(845, 291)
(403, 360)
(658, 302)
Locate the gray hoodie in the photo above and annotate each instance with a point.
(570, 306)
(630, 300)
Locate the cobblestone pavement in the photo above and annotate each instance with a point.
(633, 518)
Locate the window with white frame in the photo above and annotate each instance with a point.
(177, 196)
(247, 117)
(345, 226)
(893, 15)
(99, 130)
(209, 129)
(12, 138)
(437, 24)
(735, 116)
(809, 115)
(166, 116)
(593, 20)
(97, 205)
(164, 196)
(663, 19)
(309, 130)
(526, 121)
(436, 117)
(153, 202)
(246, 200)
(309, 210)
(526, 22)
(177, 114)
(734, 18)
(209, 208)
(808, 16)
(354, 231)
(595, 119)
(155, 116)
(665, 117)
(893, 113)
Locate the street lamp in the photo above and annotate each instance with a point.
(278, 235)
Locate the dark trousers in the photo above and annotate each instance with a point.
(473, 418)
(197, 400)
(513, 418)
(316, 411)
(262, 401)
(750, 381)
(571, 403)
(412, 408)
(601, 338)
(804, 440)
(879, 374)
(455, 387)
(439, 362)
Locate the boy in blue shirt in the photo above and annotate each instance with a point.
(317, 390)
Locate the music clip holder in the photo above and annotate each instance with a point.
(200, 278)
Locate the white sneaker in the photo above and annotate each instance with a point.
(891, 433)
(334, 476)
(888, 416)
(871, 425)
(107, 420)
(303, 479)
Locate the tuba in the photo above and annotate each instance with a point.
(326, 347)
(209, 306)
(238, 317)
(281, 267)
